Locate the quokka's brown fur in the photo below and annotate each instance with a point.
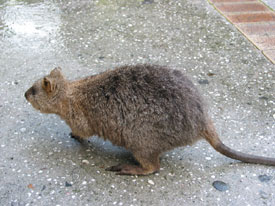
(147, 109)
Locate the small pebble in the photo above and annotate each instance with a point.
(148, 2)
(210, 74)
(85, 162)
(203, 81)
(221, 186)
(43, 188)
(263, 195)
(151, 182)
(263, 98)
(264, 178)
(67, 184)
(30, 186)
(23, 129)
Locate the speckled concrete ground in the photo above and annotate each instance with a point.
(41, 165)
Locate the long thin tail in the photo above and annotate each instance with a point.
(212, 137)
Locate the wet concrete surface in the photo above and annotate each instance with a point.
(41, 165)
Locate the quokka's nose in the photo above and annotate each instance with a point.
(30, 91)
(26, 94)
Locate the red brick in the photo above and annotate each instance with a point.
(241, 7)
(251, 17)
(263, 42)
(258, 28)
(231, 1)
(270, 54)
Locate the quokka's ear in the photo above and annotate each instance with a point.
(56, 72)
(48, 85)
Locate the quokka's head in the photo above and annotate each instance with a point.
(46, 93)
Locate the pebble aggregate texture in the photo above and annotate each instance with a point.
(41, 165)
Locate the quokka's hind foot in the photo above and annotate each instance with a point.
(77, 138)
(146, 167)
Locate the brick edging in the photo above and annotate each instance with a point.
(252, 18)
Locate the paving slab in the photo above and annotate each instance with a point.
(243, 14)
